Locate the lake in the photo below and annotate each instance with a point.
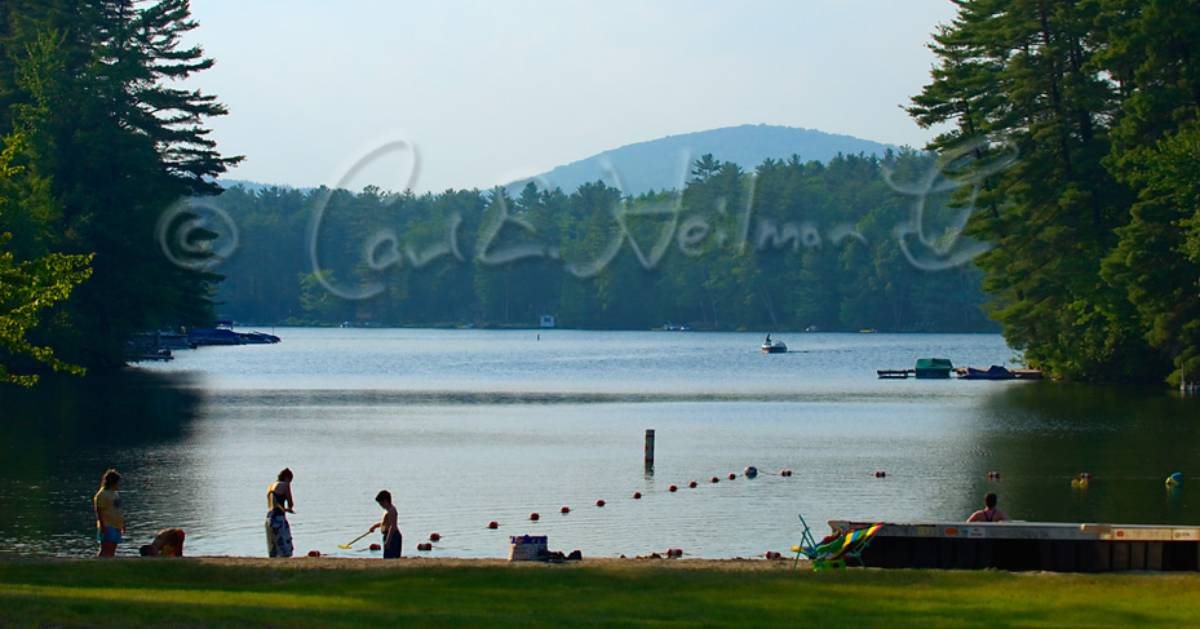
(468, 426)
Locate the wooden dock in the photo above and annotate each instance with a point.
(1049, 546)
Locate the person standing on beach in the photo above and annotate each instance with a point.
(279, 504)
(110, 523)
(389, 525)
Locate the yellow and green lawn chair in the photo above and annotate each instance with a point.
(833, 551)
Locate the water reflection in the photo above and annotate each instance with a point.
(1129, 439)
(57, 438)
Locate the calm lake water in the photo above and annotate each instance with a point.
(468, 426)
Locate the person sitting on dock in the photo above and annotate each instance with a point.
(989, 513)
(168, 543)
(389, 525)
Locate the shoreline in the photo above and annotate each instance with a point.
(417, 562)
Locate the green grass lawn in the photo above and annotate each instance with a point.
(167, 592)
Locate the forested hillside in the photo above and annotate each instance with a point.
(792, 244)
(662, 163)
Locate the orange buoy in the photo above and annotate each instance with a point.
(672, 489)
(732, 476)
(785, 472)
(880, 474)
(534, 516)
(426, 546)
(715, 479)
(599, 503)
(375, 546)
(493, 524)
(692, 484)
(435, 537)
(314, 553)
(565, 510)
(637, 495)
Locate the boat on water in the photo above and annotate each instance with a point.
(224, 334)
(995, 372)
(931, 368)
(773, 347)
(777, 347)
(257, 338)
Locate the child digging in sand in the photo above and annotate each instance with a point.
(389, 525)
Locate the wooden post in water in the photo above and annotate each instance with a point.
(649, 451)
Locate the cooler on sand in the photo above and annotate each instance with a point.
(528, 548)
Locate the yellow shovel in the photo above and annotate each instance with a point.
(351, 542)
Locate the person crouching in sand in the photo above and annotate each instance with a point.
(389, 526)
(168, 543)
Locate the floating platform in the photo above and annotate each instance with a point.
(1049, 546)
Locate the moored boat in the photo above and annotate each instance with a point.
(995, 372)
(929, 368)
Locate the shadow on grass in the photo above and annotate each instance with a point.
(166, 592)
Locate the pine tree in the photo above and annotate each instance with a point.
(1022, 74)
(93, 91)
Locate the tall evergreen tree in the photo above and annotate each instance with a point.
(93, 86)
(1024, 74)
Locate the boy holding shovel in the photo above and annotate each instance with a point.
(389, 525)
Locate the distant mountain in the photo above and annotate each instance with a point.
(663, 163)
(252, 186)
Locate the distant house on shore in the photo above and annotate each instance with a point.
(546, 321)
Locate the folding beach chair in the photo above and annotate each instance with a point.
(833, 551)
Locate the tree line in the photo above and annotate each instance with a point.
(791, 245)
(1095, 270)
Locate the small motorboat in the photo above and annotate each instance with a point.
(776, 347)
(257, 338)
(995, 372)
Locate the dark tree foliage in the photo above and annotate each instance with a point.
(93, 88)
(1090, 274)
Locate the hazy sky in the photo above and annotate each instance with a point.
(493, 91)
